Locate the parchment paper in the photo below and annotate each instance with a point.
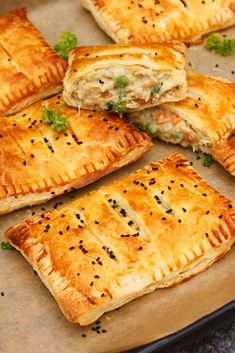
(30, 320)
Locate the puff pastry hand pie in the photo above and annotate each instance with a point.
(127, 21)
(38, 163)
(29, 68)
(123, 78)
(204, 120)
(152, 229)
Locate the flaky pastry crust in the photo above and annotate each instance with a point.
(209, 111)
(152, 229)
(146, 21)
(38, 163)
(29, 69)
(161, 61)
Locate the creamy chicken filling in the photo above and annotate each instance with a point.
(170, 127)
(119, 89)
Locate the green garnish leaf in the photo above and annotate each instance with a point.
(116, 107)
(122, 81)
(208, 160)
(156, 89)
(220, 45)
(67, 41)
(6, 246)
(57, 121)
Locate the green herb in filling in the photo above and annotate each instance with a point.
(221, 46)
(6, 246)
(156, 89)
(208, 160)
(149, 129)
(122, 81)
(116, 107)
(178, 136)
(67, 41)
(57, 121)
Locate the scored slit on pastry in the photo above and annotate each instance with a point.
(127, 21)
(205, 120)
(30, 69)
(123, 78)
(38, 163)
(99, 264)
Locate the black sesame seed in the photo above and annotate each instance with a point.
(220, 216)
(140, 248)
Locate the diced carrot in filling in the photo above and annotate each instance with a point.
(106, 94)
(163, 116)
(191, 138)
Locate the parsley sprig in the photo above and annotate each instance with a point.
(220, 45)
(208, 160)
(67, 42)
(6, 246)
(57, 121)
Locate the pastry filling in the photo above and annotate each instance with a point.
(120, 90)
(170, 127)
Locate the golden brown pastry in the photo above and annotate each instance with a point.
(38, 163)
(152, 229)
(29, 68)
(205, 120)
(127, 21)
(122, 78)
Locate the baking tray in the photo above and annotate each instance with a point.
(168, 341)
(30, 319)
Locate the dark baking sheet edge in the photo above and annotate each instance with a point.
(174, 337)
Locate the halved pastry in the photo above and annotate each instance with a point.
(29, 68)
(152, 229)
(123, 78)
(38, 163)
(127, 21)
(205, 120)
